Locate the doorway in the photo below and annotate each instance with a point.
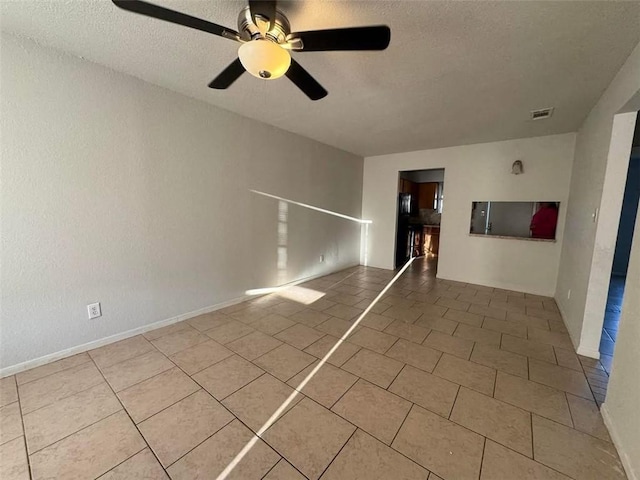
(622, 251)
(419, 208)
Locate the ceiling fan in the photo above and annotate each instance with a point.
(266, 38)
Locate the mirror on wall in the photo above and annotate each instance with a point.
(532, 220)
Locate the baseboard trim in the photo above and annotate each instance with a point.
(52, 357)
(613, 433)
(587, 352)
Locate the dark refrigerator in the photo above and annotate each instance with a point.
(403, 247)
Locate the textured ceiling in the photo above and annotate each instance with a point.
(455, 72)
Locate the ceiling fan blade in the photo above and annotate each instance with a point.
(161, 13)
(356, 38)
(264, 8)
(305, 82)
(228, 75)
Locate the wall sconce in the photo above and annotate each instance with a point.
(517, 167)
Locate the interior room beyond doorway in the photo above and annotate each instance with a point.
(420, 201)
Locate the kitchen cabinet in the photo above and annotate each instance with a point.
(427, 194)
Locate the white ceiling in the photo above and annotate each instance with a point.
(455, 72)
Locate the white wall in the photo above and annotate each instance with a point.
(620, 409)
(476, 173)
(602, 152)
(118, 191)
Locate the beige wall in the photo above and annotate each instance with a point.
(120, 192)
(603, 146)
(477, 173)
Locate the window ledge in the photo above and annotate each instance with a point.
(506, 237)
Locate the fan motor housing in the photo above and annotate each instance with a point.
(249, 30)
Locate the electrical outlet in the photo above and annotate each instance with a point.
(94, 310)
(568, 294)
(321, 258)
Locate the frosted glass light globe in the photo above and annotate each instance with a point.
(264, 59)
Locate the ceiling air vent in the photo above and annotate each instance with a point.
(542, 113)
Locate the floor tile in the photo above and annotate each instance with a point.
(13, 460)
(408, 331)
(470, 374)
(309, 436)
(464, 317)
(272, 324)
(286, 308)
(344, 312)
(373, 409)
(504, 326)
(57, 420)
(95, 450)
(284, 361)
(568, 359)
(168, 330)
(428, 391)
(157, 393)
(404, 313)
(254, 345)
(419, 356)
(50, 368)
(327, 385)
(255, 403)
(10, 422)
(487, 311)
(448, 344)
(372, 339)
(249, 315)
(319, 306)
(560, 378)
(345, 299)
(284, 471)
(142, 465)
(494, 419)
(501, 463)
(129, 372)
(211, 457)
(375, 321)
(500, 360)
(478, 335)
(227, 376)
(209, 321)
(343, 353)
(374, 367)
(229, 332)
(557, 339)
(310, 317)
(574, 453)
(120, 351)
(299, 336)
(440, 324)
(539, 351)
(454, 304)
(439, 445)
(430, 310)
(586, 417)
(200, 356)
(8, 391)
(49, 389)
(533, 397)
(335, 326)
(176, 430)
(176, 342)
(527, 321)
(365, 458)
(541, 313)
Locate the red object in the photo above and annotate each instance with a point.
(543, 223)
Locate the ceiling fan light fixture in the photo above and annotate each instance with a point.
(264, 59)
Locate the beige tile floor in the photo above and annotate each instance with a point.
(442, 380)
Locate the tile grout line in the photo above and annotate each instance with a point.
(24, 431)
(133, 423)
